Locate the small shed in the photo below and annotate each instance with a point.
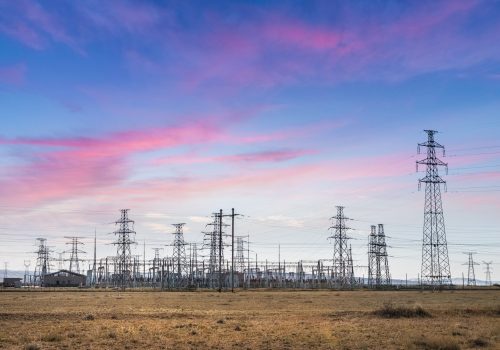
(64, 278)
(12, 282)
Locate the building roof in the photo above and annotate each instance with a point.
(66, 272)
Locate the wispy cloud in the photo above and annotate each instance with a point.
(420, 37)
(13, 75)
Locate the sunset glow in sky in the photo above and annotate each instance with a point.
(281, 110)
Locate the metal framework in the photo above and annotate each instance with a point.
(378, 264)
(471, 275)
(42, 266)
(181, 268)
(216, 255)
(27, 264)
(240, 255)
(74, 261)
(435, 268)
(343, 272)
(488, 272)
(124, 268)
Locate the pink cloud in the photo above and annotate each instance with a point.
(63, 168)
(13, 75)
(266, 156)
(335, 172)
(82, 166)
(424, 37)
(428, 38)
(272, 156)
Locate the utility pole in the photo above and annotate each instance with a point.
(220, 251)
(6, 265)
(27, 264)
(488, 272)
(232, 215)
(248, 257)
(232, 250)
(94, 268)
(144, 261)
(435, 262)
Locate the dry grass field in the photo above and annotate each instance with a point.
(250, 320)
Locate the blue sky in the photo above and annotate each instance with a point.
(281, 110)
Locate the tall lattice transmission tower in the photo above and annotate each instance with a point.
(488, 272)
(343, 273)
(181, 268)
(42, 266)
(378, 264)
(124, 239)
(74, 260)
(372, 256)
(193, 262)
(155, 269)
(240, 255)
(216, 256)
(471, 275)
(435, 262)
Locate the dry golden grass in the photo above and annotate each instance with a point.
(250, 320)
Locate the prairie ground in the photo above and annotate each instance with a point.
(250, 320)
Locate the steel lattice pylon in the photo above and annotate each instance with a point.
(240, 256)
(42, 262)
(488, 272)
(378, 265)
(471, 274)
(343, 274)
(383, 275)
(123, 270)
(213, 264)
(179, 261)
(74, 260)
(435, 262)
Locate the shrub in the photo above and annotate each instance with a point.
(391, 311)
(480, 342)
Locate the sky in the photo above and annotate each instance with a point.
(281, 110)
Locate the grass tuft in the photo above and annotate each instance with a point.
(52, 338)
(112, 335)
(391, 311)
(480, 342)
(437, 343)
(32, 347)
